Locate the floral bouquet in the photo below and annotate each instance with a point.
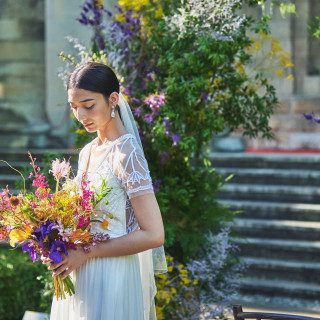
(51, 224)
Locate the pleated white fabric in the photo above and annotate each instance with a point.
(106, 288)
(113, 288)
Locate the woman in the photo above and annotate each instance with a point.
(115, 279)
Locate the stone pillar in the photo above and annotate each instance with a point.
(22, 89)
(60, 16)
(299, 39)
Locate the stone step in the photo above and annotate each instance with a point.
(277, 229)
(292, 289)
(303, 271)
(291, 194)
(274, 210)
(295, 177)
(292, 250)
(270, 161)
(21, 155)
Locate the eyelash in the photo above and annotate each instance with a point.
(89, 108)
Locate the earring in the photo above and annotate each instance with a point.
(113, 114)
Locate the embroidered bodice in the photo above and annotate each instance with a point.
(122, 164)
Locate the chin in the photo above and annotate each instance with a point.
(91, 130)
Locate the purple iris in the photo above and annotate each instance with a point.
(57, 247)
(28, 247)
(43, 231)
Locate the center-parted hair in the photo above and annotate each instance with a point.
(95, 77)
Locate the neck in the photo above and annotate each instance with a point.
(112, 130)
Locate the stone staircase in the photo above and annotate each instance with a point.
(19, 158)
(278, 231)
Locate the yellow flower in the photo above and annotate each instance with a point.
(280, 73)
(227, 95)
(290, 77)
(195, 282)
(120, 17)
(170, 268)
(257, 45)
(19, 235)
(239, 67)
(276, 47)
(159, 12)
(217, 81)
(81, 131)
(264, 35)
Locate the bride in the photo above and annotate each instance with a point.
(115, 279)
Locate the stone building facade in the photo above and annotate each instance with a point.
(302, 95)
(33, 108)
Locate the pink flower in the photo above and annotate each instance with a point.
(60, 169)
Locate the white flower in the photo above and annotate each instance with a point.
(60, 169)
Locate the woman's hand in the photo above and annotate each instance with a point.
(72, 261)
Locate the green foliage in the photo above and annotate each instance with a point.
(46, 160)
(207, 88)
(314, 26)
(23, 285)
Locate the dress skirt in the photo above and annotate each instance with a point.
(106, 289)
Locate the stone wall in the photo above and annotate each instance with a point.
(22, 65)
(302, 95)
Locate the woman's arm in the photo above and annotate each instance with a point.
(150, 235)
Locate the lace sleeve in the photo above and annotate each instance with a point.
(132, 170)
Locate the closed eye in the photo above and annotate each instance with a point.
(90, 107)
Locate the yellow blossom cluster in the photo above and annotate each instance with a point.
(268, 56)
(171, 284)
(137, 6)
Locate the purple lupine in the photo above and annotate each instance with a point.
(148, 118)
(154, 102)
(167, 125)
(137, 111)
(157, 185)
(204, 96)
(175, 138)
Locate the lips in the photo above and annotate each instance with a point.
(87, 124)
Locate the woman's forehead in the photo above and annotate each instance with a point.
(81, 95)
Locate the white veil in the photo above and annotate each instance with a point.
(151, 261)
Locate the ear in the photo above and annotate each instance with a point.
(114, 98)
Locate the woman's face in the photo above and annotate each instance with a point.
(90, 108)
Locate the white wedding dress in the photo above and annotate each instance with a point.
(113, 288)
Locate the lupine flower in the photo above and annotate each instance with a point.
(157, 185)
(175, 138)
(148, 117)
(60, 169)
(137, 111)
(154, 102)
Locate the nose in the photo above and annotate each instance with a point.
(81, 114)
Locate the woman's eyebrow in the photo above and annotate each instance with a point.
(85, 100)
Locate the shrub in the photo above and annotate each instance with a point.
(23, 285)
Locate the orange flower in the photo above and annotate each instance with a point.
(105, 224)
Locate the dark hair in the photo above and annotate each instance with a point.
(96, 77)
